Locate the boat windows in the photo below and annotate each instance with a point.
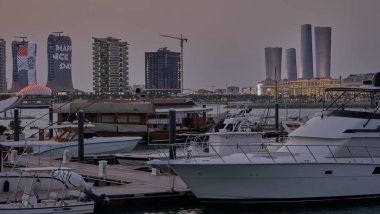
(328, 172)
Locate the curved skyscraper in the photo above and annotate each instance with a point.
(24, 64)
(59, 63)
(273, 57)
(306, 70)
(322, 51)
(290, 63)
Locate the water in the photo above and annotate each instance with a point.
(341, 208)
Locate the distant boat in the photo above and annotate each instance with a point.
(147, 119)
(66, 138)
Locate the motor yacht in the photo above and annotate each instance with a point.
(333, 156)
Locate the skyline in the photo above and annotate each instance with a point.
(226, 38)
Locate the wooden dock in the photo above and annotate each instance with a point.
(122, 182)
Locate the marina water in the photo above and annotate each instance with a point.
(195, 207)
(341, 208)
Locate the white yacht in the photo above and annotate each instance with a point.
(335, 155)
(27, 198)
(66, 138)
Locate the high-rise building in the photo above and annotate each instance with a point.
(291, 65)
(24, 64)
(59, 63)
(15, 47)
(273, 58)
(3, 79)
(306, 70)
(111, 66)
(322, 36)
(162, 70)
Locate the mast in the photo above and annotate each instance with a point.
(276, 99)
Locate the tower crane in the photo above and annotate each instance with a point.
(181, 40)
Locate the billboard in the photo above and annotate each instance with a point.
(61, 54)
(59, 63)
(26, 63)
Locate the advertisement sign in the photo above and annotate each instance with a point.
(26, 61)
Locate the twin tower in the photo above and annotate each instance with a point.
(59, 63)
(322, 36)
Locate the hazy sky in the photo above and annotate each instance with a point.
(226, 37)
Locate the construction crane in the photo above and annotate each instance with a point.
(181, 40)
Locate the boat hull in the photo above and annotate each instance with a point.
(92, 146)
(87, 207)
(154, 136)
(280, 182)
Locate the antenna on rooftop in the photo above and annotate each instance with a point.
(58, 32)
(22, 37)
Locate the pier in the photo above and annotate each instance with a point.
(122, 184)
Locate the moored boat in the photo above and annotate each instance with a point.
(333, 156)
(147, 119)
(25, 197)
(66, 138)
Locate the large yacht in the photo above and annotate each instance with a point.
(334, 155)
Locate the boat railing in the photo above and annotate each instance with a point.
(279, 152)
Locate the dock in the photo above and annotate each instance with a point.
(123, 183)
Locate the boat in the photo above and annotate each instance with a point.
(144, 118)
(54, 178)
(239, 132)
(27, 199)
(333, 156)
(66, 138)
(236, 132)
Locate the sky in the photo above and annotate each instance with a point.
(226, 38)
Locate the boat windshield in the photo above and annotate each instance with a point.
(343, 101)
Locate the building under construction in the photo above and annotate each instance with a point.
(162, 72)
